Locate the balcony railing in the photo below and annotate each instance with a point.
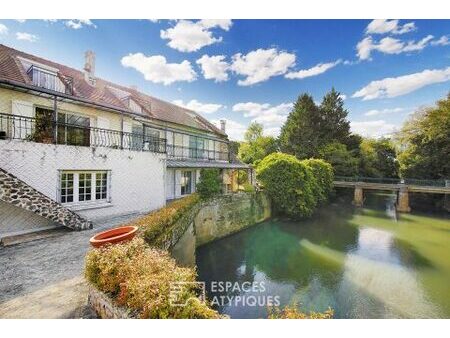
(43, 131)
(188, 153)
(48, 80)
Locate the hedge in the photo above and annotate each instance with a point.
(295, 187)
(139, 277)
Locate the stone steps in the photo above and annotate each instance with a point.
(14, 238)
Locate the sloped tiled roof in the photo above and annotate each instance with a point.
(12, 70)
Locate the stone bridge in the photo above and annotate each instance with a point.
(401, 187)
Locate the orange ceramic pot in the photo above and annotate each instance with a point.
(113, 236)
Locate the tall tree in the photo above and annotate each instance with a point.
(256, 146)
(378, 158)
(425, 143)
(336, 127)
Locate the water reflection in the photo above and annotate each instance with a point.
(364, 265)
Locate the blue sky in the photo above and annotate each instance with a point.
(246, 70)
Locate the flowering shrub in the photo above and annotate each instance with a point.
(292, 312)
(151, 226)
(139, 277)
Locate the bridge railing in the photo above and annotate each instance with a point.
(385, 180)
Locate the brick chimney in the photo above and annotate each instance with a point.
(222, 125)
(89, 67)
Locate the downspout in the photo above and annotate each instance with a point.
(55, 119)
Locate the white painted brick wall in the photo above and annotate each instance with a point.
(137, 178)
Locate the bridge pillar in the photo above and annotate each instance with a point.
(359, 197)
(403, 200)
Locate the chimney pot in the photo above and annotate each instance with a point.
(89, 67)
(222, 125)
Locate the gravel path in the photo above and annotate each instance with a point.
(43, 279)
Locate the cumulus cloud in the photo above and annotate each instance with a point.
(376, 112)
(156, 69)
(382, 26)
(261, 64)
(442, 41)
(214, 67)
(3, 29)
(190, 36)
(234, 130)
(79, 23)
(316, 70)
(199, 107)
(26, 37)
(396, 86)
(271, 117)
(389, 45)
(376, 128)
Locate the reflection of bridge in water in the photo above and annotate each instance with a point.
(402, 186)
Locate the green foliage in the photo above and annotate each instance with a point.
(425, 140)
(292, 185)
(210, 183)
(156, 223)
(242, 177)
(323, 177)
(309, 128)
(378, 159)
(344, 163)
(292, 312)
(139, 278)
(256, 146)
(248, 187)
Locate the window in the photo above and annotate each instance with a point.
(83, 186)
(186, 182)
(73, 129)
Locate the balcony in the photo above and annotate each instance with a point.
(187, 153)
(45, 79)
(45, 130)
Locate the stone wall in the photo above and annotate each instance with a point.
(18, 193)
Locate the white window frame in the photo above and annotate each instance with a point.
(76, 187)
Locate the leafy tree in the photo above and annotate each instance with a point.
(378, 158)
(256, 145)
(344, 163)
(425, 140)
(210, 183)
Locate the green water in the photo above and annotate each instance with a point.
(366, 263)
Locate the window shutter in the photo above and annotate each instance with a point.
(127, 129)
(22, 126)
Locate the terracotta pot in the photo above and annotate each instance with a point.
(113, 236)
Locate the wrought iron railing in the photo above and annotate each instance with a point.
(48, 80)
(183, 153)
(385, 180)
(43, 131)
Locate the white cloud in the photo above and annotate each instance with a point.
(382, 26)
(79, 23)
(316, 70)
(376, 128)
(376, 112)
(389, 45)
(343, 96)
(21, 20)
(234, 130)
(3, 29)
(260, 65)
(199, 107)
(214, 67)
(396, 86)
(156, 69)
(189, 36)
(271, 117)
(26, 37)
(443, 41)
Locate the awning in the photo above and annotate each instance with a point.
(205, 164)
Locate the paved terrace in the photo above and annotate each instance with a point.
(44, 278)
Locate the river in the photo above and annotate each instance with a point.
(363, 263)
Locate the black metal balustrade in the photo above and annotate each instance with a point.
(184, 153)
(42, 130)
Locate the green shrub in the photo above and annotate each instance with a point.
(139, 277)
(323, 177)
(248, 187)
(151, 226)
(289, 183)
(210, 183)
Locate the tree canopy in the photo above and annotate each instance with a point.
(256, 146)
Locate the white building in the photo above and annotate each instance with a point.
(99, 148)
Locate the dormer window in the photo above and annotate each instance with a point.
(132, 105)
(48, 79)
